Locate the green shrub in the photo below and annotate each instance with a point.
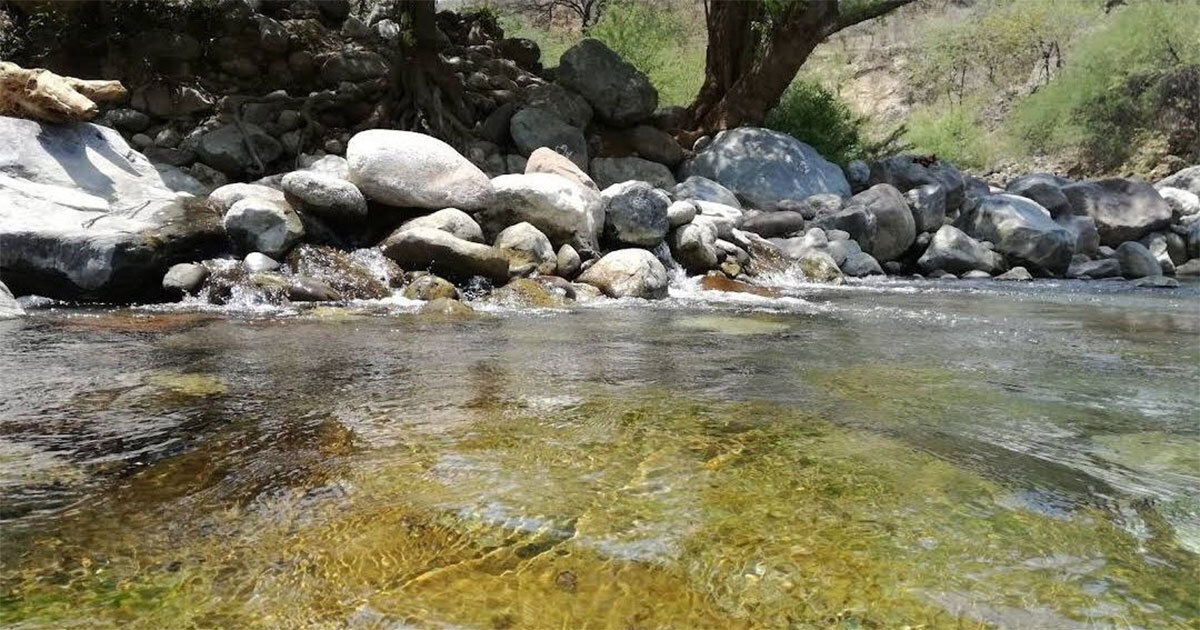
(813, 114)
(954, 133)
(657, 43)
(1101, 100)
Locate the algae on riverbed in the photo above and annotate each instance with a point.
(648, 511)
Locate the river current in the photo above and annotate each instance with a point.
(880, 455)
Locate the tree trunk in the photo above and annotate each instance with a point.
(433, 100)
(745, 75)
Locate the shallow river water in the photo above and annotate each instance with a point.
(884, 455)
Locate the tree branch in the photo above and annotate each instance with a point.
(867, 12)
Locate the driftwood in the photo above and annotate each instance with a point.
(41, 95)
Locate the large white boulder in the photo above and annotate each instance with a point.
(628, 273)
(562, 209)
(412, 170)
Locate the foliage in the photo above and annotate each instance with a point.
(813, 114)
(1108, 95)
(952, 132)
(655, 42)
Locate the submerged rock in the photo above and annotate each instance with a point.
(350, 276)
(429, 287)
(446, 307)
(628, 273)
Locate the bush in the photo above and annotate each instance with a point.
(656, 42)
(1103, 100)
(953, 133)
(812, 114)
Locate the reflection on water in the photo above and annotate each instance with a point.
(867, 457)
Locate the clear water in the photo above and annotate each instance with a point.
(877, 456)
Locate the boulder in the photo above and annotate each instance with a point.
(609, 171)
(635, 213)
(814, 206)
(545, 160)
(353, 66)
(908, 171)
(1021, 230)
(1136, 261)
(693, 246)
(704, 189)
(258, 261)
(428, 287)
(1156, 282)
(564, 211)
(445, 254)
(360, 275)
(1189, 268)
(9, 307)
(1124, 209)
(774, 224)
(653, 144)
(928, 205)
(183, 279)
(1167, 248)
(406, 169)
(1095, 269)
(861, 264)
(225, 149)
(895, 229)
(726, 218)
(568, 106)
(1016, 274)
(326, 196)
(450, 220)
(567, 262)
(819, 266)
(255, 224)
(680, 213)
(223, 198)
(628, 273)
(1187, 179)
(620, 94)
(84, 216)
(1045, 189)
(534, 128)
(527, 250)
(953, 251)
(858, 173)
(1087, 238)
(1183, 202)
(764, 167)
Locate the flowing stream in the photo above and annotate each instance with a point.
(882, 455)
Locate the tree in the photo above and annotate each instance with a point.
(755, 48)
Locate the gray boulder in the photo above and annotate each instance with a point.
(774, 224)
(954, 251)
(183, 279)
(819, 266)
(225, 149)
(562, 209)
(223, 198)
(895, 229)
(619, 93)
(908, 171)
(534, 128)
(928, 205)
(680, 213)
(545, 160)
(9, 307)
(1095, 269)
(704, 189)
(609, 171)
(527, 250)
(1021, 230)
(858, 173)
(1087, 238)
(1124, 209)
(255, 224)
(567, 262)
(861, 264)
(84, 216)
(628, 273)
(854, 220)
(654, 144)
(1190, 268)
(326, 196)
(635, 213)
(814, 206)
(1193, 239)
(1187, 179)
(727, 218)
(1136, 261)
(1183, 202)
(1016, 274)
(401, 168)
(1045, 189)
(258, 261)
(693, 246)
(764, 167)
(570, 107)
(1167, 248)
(445, 254)
(450, 220)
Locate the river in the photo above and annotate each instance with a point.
(936, 454)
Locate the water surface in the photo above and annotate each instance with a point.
(931, 454)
